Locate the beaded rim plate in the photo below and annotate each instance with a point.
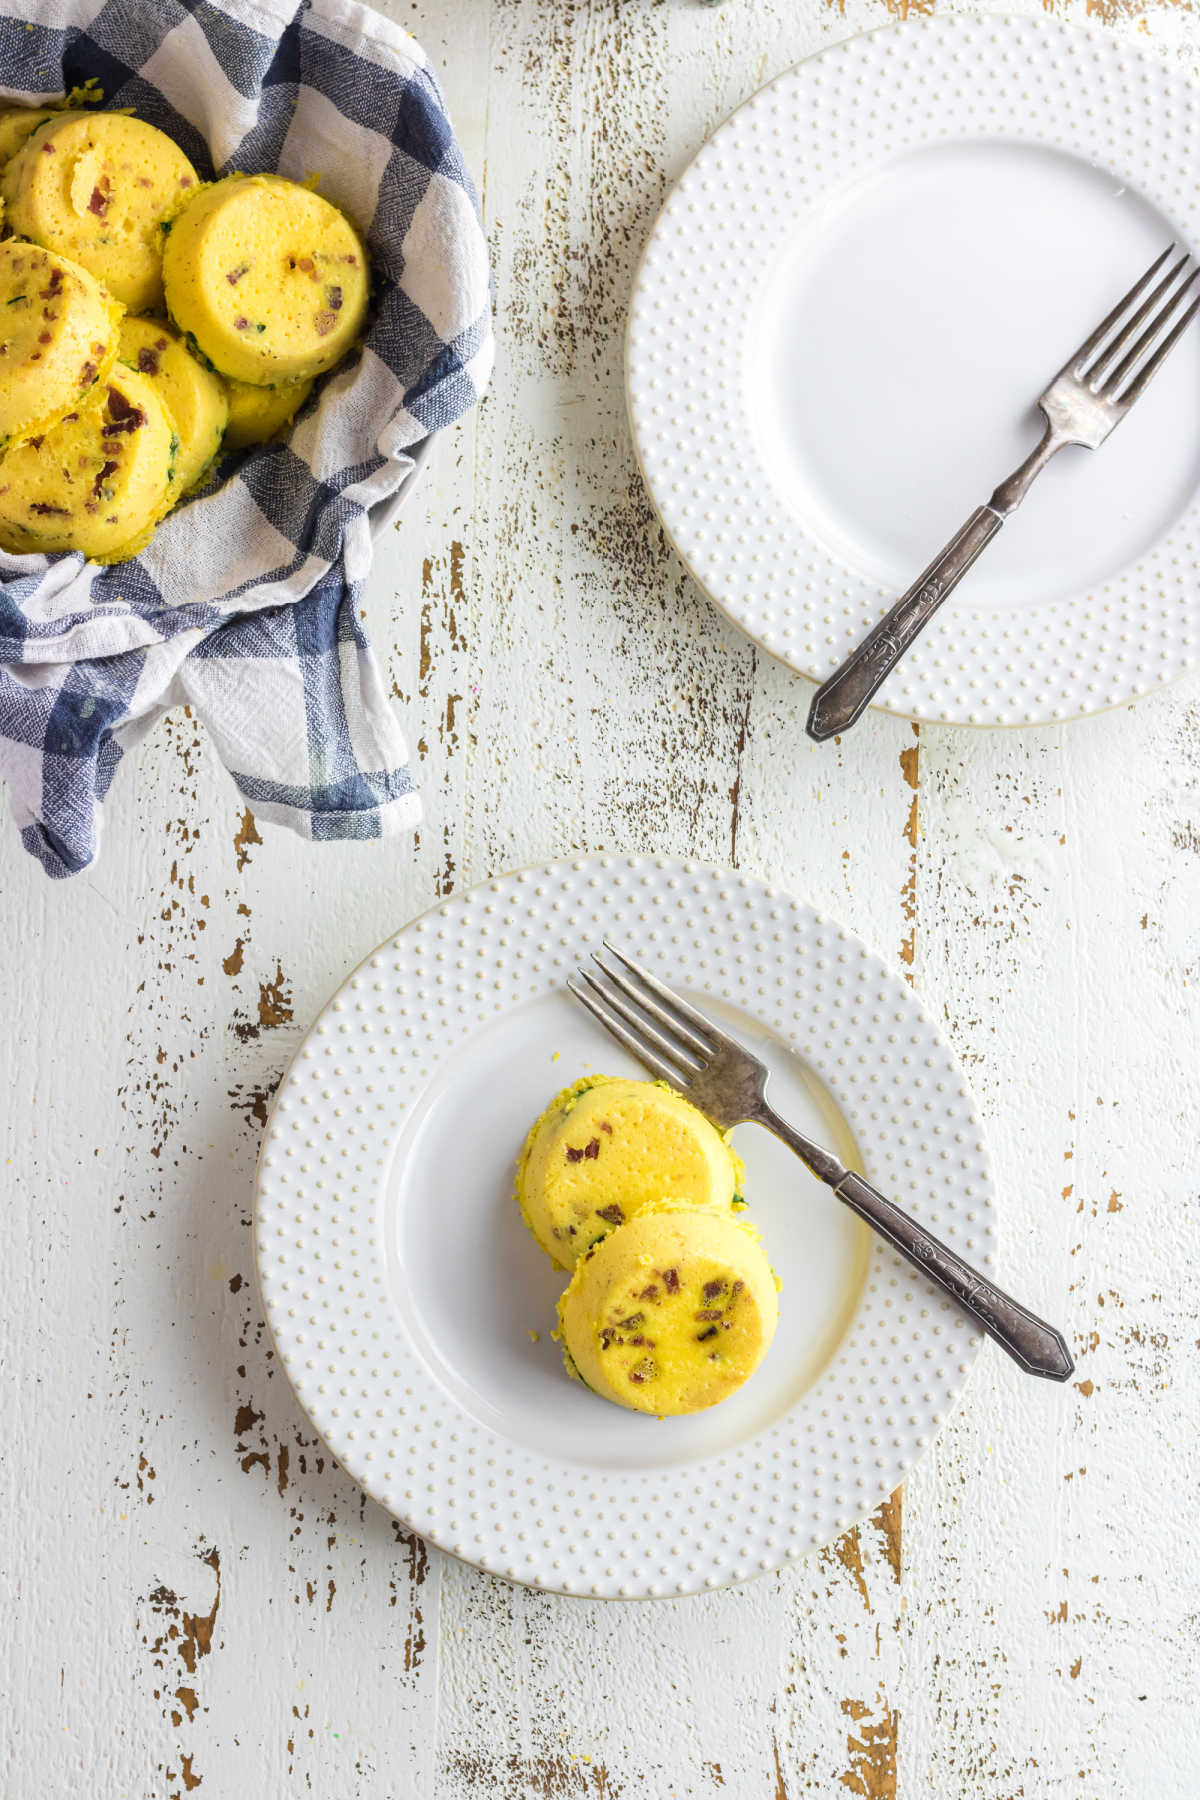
(379, 1302)
(801, 492)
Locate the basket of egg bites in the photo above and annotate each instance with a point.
(149, 322)
(671, 1303)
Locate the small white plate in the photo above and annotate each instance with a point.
(402, 1287)
(842, 320)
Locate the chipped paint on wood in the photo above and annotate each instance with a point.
(871, 1749)
(245, 835)
(176, 1640)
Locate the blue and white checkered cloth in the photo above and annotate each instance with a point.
(246, 605)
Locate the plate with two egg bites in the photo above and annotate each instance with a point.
(150, 323)
(670, 1303)
(471, 1208)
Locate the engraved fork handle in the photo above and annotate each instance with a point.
(841, 701)
(1037, 1347)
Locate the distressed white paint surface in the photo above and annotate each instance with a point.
(192, 1598)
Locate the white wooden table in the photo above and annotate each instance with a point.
(191, 1596)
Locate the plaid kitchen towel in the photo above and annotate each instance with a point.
(246, 605)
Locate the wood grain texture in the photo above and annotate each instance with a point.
(195, 1599)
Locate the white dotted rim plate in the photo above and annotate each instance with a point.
(1032, 80)
(347, 1348)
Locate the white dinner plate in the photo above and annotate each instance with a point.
(413, 1311)
(840, 326)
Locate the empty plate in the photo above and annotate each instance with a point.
(842, 320)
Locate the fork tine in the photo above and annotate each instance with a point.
(671, 1000)
(641, 997)
(633, 1017)
(600, 1009)
(1081, 358)
(1142, 378)
(1154, 305)
(1145, 343)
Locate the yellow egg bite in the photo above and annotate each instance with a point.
(606, 1147)
(97, 187)
(268, 278)
(16, 123)
(195, 398)
(257, 413)
(670, 1313)
(97, 482)
(58, 337)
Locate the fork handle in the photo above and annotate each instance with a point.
(841, 701)
(1036, 1346)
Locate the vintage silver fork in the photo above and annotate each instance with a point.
(728, 1085)
(1087, 399)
